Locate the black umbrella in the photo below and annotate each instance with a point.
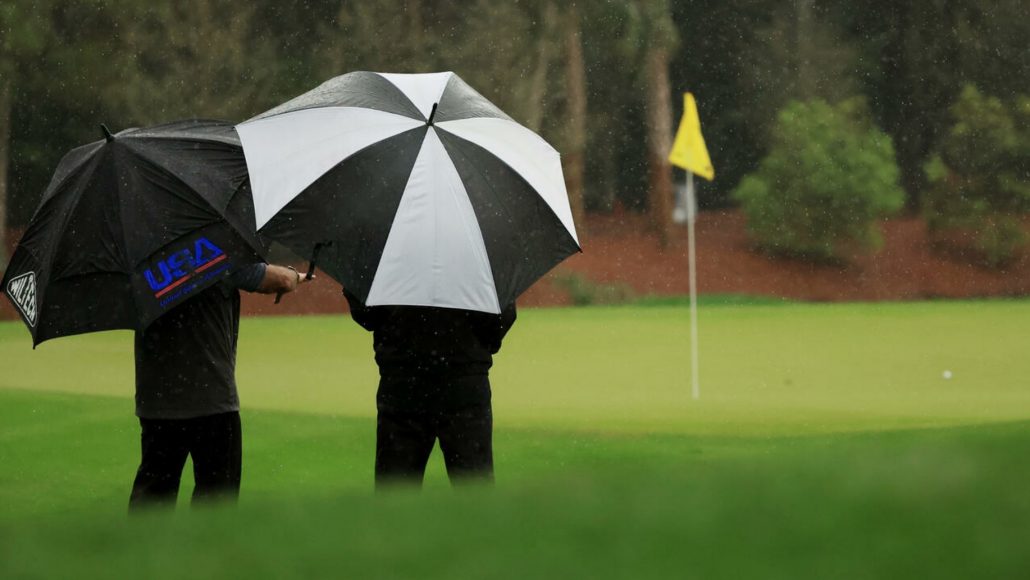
(411, 189)
(130, 226)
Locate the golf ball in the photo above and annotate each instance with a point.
(947, 375)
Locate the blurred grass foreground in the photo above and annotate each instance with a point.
(827, 443)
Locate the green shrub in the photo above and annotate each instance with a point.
(585, 292)
(827, 179)
(980, 177)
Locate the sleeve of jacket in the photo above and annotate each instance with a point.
(249, 277)
(507, 320)
(363, 315)
(495, 327)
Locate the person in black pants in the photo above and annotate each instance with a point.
(186, 397)
(434, 385)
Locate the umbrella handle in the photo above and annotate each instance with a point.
(431, 115)
(314, 260)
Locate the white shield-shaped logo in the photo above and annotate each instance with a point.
(22, 291)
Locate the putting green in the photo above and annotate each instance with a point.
(790, 369)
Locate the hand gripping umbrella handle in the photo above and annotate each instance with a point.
(311, 268)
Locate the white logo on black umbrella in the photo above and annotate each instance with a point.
(22, 290)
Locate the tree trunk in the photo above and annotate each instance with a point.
(5, 153)
(416, 44)
(804, 80)
(659, 138)
(576, 99)
(905, 117)
(538, 81)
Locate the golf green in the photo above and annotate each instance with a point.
(765, 370)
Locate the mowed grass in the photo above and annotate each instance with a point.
(765, 370)
(826, 443)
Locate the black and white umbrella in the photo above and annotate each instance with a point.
(411, 189)
(131, 226)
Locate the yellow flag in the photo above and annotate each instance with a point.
(689, 151)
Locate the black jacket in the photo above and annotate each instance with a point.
(422, 340)
(186, 359)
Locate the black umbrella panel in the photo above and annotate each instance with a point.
(132, 226)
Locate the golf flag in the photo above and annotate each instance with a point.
(689, 151)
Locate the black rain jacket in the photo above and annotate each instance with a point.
(430, 357)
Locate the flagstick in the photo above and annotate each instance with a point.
(691, 216)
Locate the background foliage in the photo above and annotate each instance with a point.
(980, 175)
(68, 65)
(828, 177)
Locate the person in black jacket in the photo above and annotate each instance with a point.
(434, 366)
(186, 397)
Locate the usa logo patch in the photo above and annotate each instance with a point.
(22, 290)
(167, 274)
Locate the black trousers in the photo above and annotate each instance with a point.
(216, 444)
(404, 441)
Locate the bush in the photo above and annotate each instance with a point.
(584, 292)
(979, 177)
(828, 177)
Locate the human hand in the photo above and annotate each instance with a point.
(302, 278)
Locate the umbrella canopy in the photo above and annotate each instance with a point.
(131, 226)
(412, 189)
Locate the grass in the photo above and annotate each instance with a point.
(765, 370)
(826, 443)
